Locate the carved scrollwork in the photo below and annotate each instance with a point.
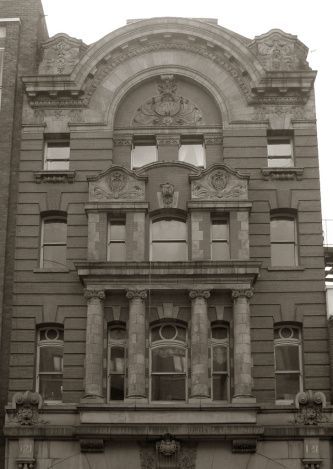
(117, 185)
(136, 294)
(27, 405)
(310, 406)
(219, 185)
(199, 294)
(242, 294)
(94, 294)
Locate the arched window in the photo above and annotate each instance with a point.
(219, 362)
(288, 362)
(116, 362)
(50, 347)
(284, 240)
(168, 362)
(53, 242)
(169, 240)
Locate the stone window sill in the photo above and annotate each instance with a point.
(282, 173)
(43, 270)
(287, 267)
(54, 176)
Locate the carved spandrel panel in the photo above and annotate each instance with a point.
(116, 185)
(219, 185)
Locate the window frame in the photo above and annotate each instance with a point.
(283, 140)
(116, 343)
(213, 241)
(44, 343)
(49, 219)
(2, 55)
(171, 240)
(173, 343)
(285, 217)
(294, 342)
(56, 139)
(116, 220)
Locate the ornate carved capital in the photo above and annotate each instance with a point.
(94, 294)
(310, 405)
(205, 294)
(27, 405)
(242, 294)
(136, 294)
(163, 140)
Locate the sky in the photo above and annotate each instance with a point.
(310, 21)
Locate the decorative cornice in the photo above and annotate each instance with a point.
(94, 294)
(136, 294)
(54, 177)
(194, 294)
(242, 294)
(164, 140)
(282, 173)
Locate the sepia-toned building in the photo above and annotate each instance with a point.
(168, 302)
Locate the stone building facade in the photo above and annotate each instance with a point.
(169, 298)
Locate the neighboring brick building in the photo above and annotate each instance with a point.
(169, 302)
(22, 27)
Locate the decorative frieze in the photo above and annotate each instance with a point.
(244, 446)
(92, 445)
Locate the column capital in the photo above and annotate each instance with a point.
(242, 293)
(91, 294)
(139, 294)
(205, 294)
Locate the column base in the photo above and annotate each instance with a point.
(92, 399)
(243, 399)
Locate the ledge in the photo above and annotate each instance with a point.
(282, 173)
(226, 275)
(287, 267)
(41, 270)
(54, 176)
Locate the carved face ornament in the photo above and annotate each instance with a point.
(219, 180)
(117, 182)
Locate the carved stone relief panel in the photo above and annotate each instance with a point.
(219, 184)
(116, 184)
(277, 50)
(60, 55)
(167, 108)
(168, 453)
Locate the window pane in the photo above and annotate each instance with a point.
(282, 230)
(117, 231)
(169, 229)
(117, 387)
(57, 150)
(287, 386)
(280, 162)
(55, 231)
(117, 333)
(283, 254)
(220, 387)
(193, 154)
(220, 230)
(117, 252)
(143, 154)
(287, 357)
(54, 165)
(50, 359)
(50, 387)
(165, 251)
(168, 388)
(117, 362)
(220, 358)
(220, 251)
(54, 256)
(219, 333)
(168, 360)
(279, 148)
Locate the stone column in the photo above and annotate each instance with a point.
(242, 347)
(136, 364)
(94, 345)
(199, 344)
